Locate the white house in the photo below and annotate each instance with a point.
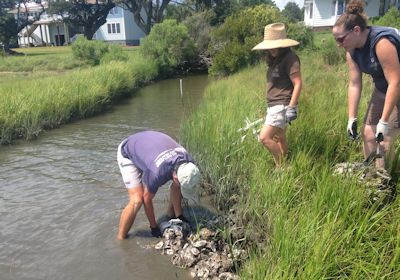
(321, 14)
(48, 30)
(120, 28)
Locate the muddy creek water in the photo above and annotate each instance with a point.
(61, 195)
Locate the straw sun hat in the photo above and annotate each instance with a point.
(275, 37)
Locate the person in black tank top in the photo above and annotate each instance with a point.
(375, 51)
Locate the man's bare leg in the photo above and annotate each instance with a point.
(128, 215)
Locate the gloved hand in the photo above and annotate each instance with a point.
(183, 219)
(382, 129)
(291, 114)
(352, 128)
(155, 232)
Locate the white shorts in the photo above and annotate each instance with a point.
(130, 174)
(276, 116)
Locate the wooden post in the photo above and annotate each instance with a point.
(181, 87)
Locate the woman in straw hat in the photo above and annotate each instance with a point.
(283, 88)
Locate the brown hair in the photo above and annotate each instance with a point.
(272, 61)
(353, 16)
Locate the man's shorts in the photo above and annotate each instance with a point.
(276, 116)
(375, 109)
(130, 174)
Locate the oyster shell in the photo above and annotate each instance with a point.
(159, 245)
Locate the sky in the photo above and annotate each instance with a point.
(282, 3)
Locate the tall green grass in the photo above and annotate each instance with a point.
(31, 104)
(302, 222)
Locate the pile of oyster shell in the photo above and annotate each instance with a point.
(378, 182)
(204, 252)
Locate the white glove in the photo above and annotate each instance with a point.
(352, 128)
(382, 129)
(291, 114)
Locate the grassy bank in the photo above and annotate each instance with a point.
(302, 223)
(31, 103)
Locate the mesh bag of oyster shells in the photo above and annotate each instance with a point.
(379, 185)
(203, 252)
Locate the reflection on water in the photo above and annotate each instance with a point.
(61, 195)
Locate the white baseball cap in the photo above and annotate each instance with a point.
(189, 176)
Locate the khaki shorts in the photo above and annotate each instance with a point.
(375, 109)
(130, 174)
(276, 116)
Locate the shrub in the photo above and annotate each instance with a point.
(391, 18)
(92, 51)
(238, 35)
(301, 33)
(331, 54)
(230, 59)
(169, 45)
(114, 53)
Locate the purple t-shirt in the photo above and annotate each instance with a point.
(155, 155)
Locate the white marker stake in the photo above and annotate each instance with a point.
(180, 82)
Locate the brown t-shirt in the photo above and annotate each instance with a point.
(279, 85)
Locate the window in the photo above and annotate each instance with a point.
(340, 7)
(113, 28)
(340, 4)
(311, 10)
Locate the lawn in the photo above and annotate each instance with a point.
(45, 59)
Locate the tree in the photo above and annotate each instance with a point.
(382, 7)
(89, 15)
(8, 29)
(293, 12)
(391, 18)
(252, 3)
(169, 45)
(145, 12)
(14, 16)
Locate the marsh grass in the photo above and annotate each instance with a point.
(310, 224)
(31, 104)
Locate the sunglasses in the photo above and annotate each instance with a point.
(341, 39)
